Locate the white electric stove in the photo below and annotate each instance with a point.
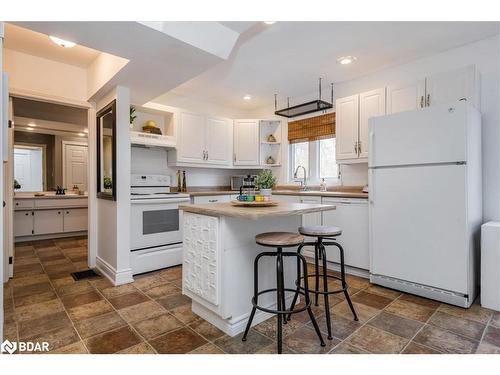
(156, 223)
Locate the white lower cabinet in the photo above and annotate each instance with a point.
(351, 216)
(75, 219)
(47, 221)
(23, 223)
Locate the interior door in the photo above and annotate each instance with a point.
(371, 104)
(418, 228)
(75, 166)
(406, 96)
(28, 168)
(246, 142)
(192, 136)
(219, 138)
(346, 128)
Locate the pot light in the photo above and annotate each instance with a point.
(345, 60)
(269, 22)
(247, 97)
(30, 129)
(61, 42)
(81, 134)
(31, 125)
(86, 131)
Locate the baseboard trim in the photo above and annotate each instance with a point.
(116, 277)
(50, 236)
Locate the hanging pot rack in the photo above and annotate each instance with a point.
(304, 108)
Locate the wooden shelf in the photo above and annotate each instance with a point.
(271, 165)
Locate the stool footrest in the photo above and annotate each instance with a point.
(336, 291)
(286, 312)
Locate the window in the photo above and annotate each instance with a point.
(328, 167)
(300, 156)
(317, 157)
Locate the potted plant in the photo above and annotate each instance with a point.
(265, 182)
(133, 116)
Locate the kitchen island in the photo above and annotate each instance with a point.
(218, 255)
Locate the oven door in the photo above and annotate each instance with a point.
(155, 222)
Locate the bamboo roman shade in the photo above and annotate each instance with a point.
(312, 129)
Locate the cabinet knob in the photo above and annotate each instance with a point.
(17, 203)
(26, 214)
(59, 212)
(67, 212)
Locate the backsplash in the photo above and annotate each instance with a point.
(154, 161)
(354, 174)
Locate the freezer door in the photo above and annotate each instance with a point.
(418, 228)
(432, 135)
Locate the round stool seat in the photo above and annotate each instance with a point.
(320, 231)
(279, 239)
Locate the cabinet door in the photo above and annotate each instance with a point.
(346, 127)
(48, 221)
(246, 142)
(23, 223)
(219, 141)
(75, 219)
(405, 96)
(192, 138)
(351, 216)
(450, 86)
(371, 103)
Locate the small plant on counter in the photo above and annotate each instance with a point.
(17, 185)
(108, 183)
(265, 181)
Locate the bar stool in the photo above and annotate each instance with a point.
(323, 233)
(279, 240)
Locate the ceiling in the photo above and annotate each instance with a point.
(288, 57)
(38, 44)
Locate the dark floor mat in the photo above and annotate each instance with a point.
(81, 275)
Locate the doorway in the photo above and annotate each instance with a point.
(75, 165)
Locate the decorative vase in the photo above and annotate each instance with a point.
(266, 192)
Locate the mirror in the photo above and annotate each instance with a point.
(106, 152)
(50, 148)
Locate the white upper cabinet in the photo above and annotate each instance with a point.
(191, 138)
(202, 140)
(246, 142)
(351, 123)
(371, 103)
(346, 127)
(219, 141)
(406, 97)
(446, 87)
(451, 86)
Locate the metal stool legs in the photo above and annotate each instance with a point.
(280, 289)
(320, 254)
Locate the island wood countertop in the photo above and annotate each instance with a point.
(255, 213)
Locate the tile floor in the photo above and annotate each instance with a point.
(43, 303)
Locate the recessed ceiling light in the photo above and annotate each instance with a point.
(269, 22)
(81, 134)
(344, 60)
(31, 125)
(86, 131)
(247, 97)
(30, 129)
(62, 42)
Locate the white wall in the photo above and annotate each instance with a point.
(154, 161)
(485, 55)
(50, 78)
(113, 217)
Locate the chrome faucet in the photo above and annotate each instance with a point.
(303, 184)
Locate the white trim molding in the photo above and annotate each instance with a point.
(117, 277)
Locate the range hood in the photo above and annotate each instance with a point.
(304, 108)
(152, 140)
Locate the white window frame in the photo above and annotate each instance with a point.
(313, 167)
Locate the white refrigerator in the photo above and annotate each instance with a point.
(425, 203)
